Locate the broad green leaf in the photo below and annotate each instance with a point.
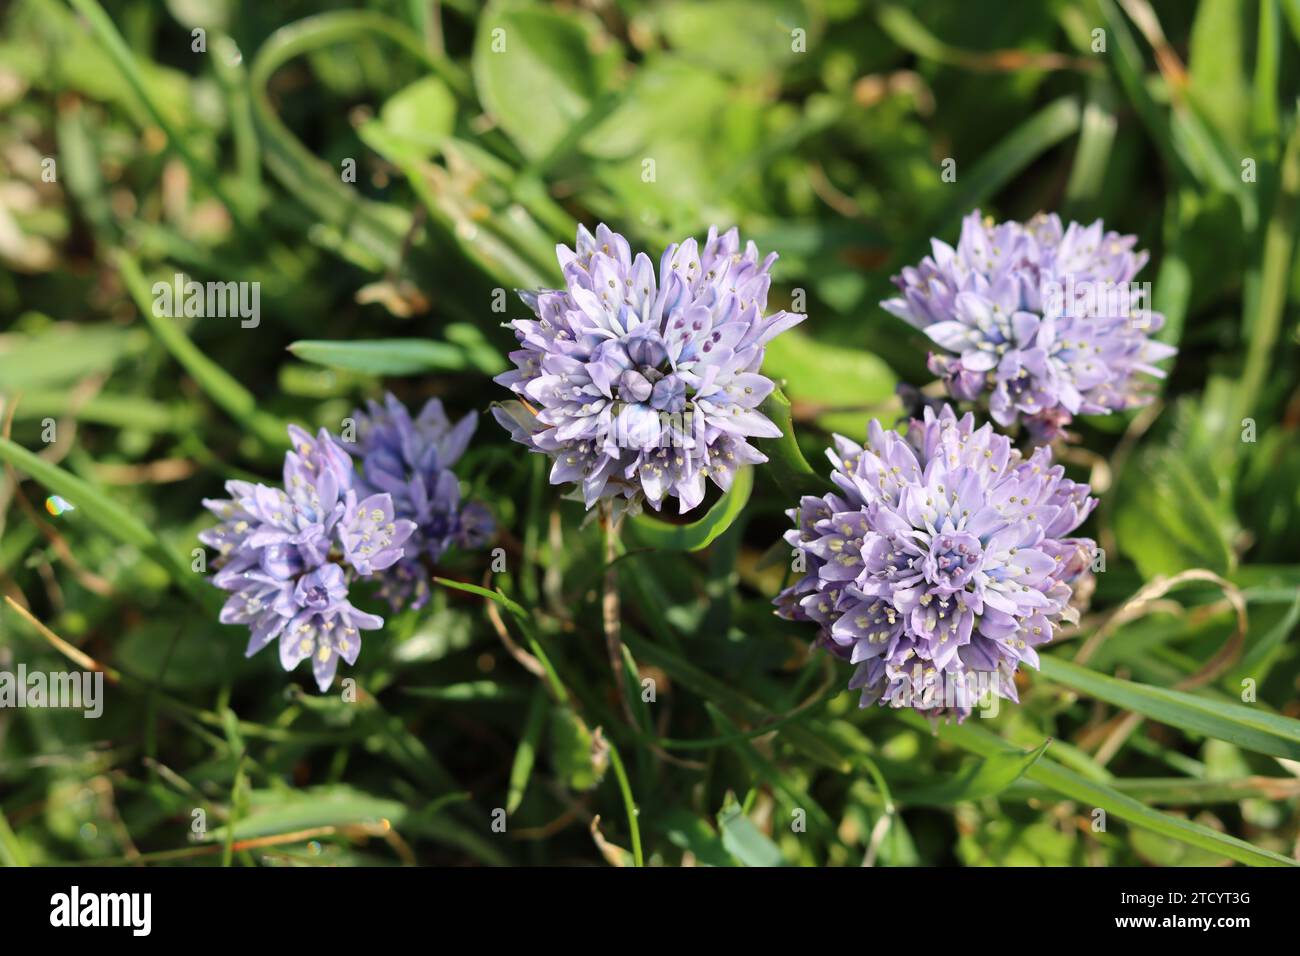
(579, 760)
(186, 662)
(422, 115)
(479, 352)
(537, 71)
(119, 411)
(1174, 280)
(688, 832)
(455, 204)
(984, 778)
(654, 533)
(1291, 9)
(1249, 727)
(1004, 841)
(744, 38)
(209, 14)
(745, 841)
(841, 387)
(87, 66)
(649, 113)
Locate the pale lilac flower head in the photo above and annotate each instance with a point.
(288, 555)
(411, 460)
(1045, 320)
(940, 562)
(642, 384)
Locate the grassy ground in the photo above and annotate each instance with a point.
(822, 128)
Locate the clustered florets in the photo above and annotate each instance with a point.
(1045, 321)
(642, 385)
(937, 566)
(940, 563)
(289, 555)
(412, 460)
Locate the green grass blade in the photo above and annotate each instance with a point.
(1275, 277)
(724, 694)
(274, 813)
(1259, 659)
(475, 691)
(1092, 793)
(237, 401)
(986, 778)
(977, 182)
(558, 691)
(1187, 792)
(1291, 8)
(1268, 50)
(1096, 139)
(521, 770)
(1247, 727)
(383, 356)
(1125, 57)
(371, 233)
(629, 804)
(120, 54)
(109, 516)
(763, 769)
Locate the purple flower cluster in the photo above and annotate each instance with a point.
(640, 384)
(411, 460)
(940, 562)
(1045, 319)
(289, 555)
